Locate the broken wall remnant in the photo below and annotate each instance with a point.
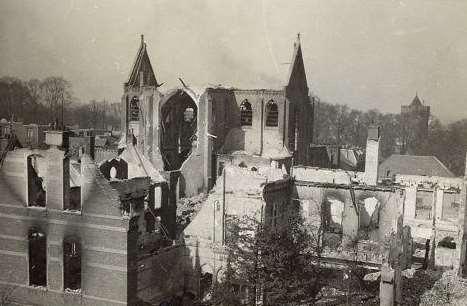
(355, 217)
(263, 194)
(372, 156)
(358, 208)
(432, 206)
(433, 210)
(84, 250)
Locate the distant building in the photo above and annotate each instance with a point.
(414, 126)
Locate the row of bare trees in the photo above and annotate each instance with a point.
(339, 124)
(51, 100)
(35, 101)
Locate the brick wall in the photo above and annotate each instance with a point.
(99, 226)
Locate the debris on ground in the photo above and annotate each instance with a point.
(448, 290)
(187, 208)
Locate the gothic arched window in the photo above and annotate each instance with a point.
(134, 109)
(246, 113)
(272, 114)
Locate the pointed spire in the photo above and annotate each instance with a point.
(143, 44)
(297, 41)
(416, 99)
(297, 69)
(142, 73)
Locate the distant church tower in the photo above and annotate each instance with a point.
(414, 126)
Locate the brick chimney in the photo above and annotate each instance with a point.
(372, 155)
(58, 171)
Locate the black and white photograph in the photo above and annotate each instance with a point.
(233, 152)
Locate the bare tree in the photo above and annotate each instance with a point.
(57, 95)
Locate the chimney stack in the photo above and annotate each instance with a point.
(58, 171)
(372, 155)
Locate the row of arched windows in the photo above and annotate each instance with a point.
(272, 114)
(37, 254)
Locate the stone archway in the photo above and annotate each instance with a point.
(179, 122)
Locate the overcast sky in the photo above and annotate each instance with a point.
(367, 54)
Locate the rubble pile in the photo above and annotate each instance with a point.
(448, 290)
(187, 208)
(413, 288)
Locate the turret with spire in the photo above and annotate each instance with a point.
(142, 73)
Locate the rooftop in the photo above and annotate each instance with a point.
(413, 165)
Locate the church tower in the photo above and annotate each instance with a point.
(414, 126)
(140, 102)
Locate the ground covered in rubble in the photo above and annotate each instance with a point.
(427, 287)
(447, 290)
(187, 208)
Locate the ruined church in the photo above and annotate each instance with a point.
(191, 132)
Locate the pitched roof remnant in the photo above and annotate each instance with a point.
(413, 165)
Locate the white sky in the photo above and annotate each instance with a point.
(367, 54)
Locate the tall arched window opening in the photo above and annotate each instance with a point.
(246, 113)
(272, 114)
(71, 263)
(36, 186)
(37, 258)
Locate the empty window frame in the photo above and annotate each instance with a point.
(75, 198)
(71, 263)
(272, 114)
(29, 136)
(246, 114)
(333, 214)
(36, 190)
(37, 258)
(369, 213)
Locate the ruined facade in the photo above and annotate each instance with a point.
(74, 233)
(184, 130)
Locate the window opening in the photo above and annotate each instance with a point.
(272, 114)
(71, 264)
(37, 258)
(246, 114)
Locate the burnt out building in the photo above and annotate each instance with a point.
(76, 233)
(193, 131)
